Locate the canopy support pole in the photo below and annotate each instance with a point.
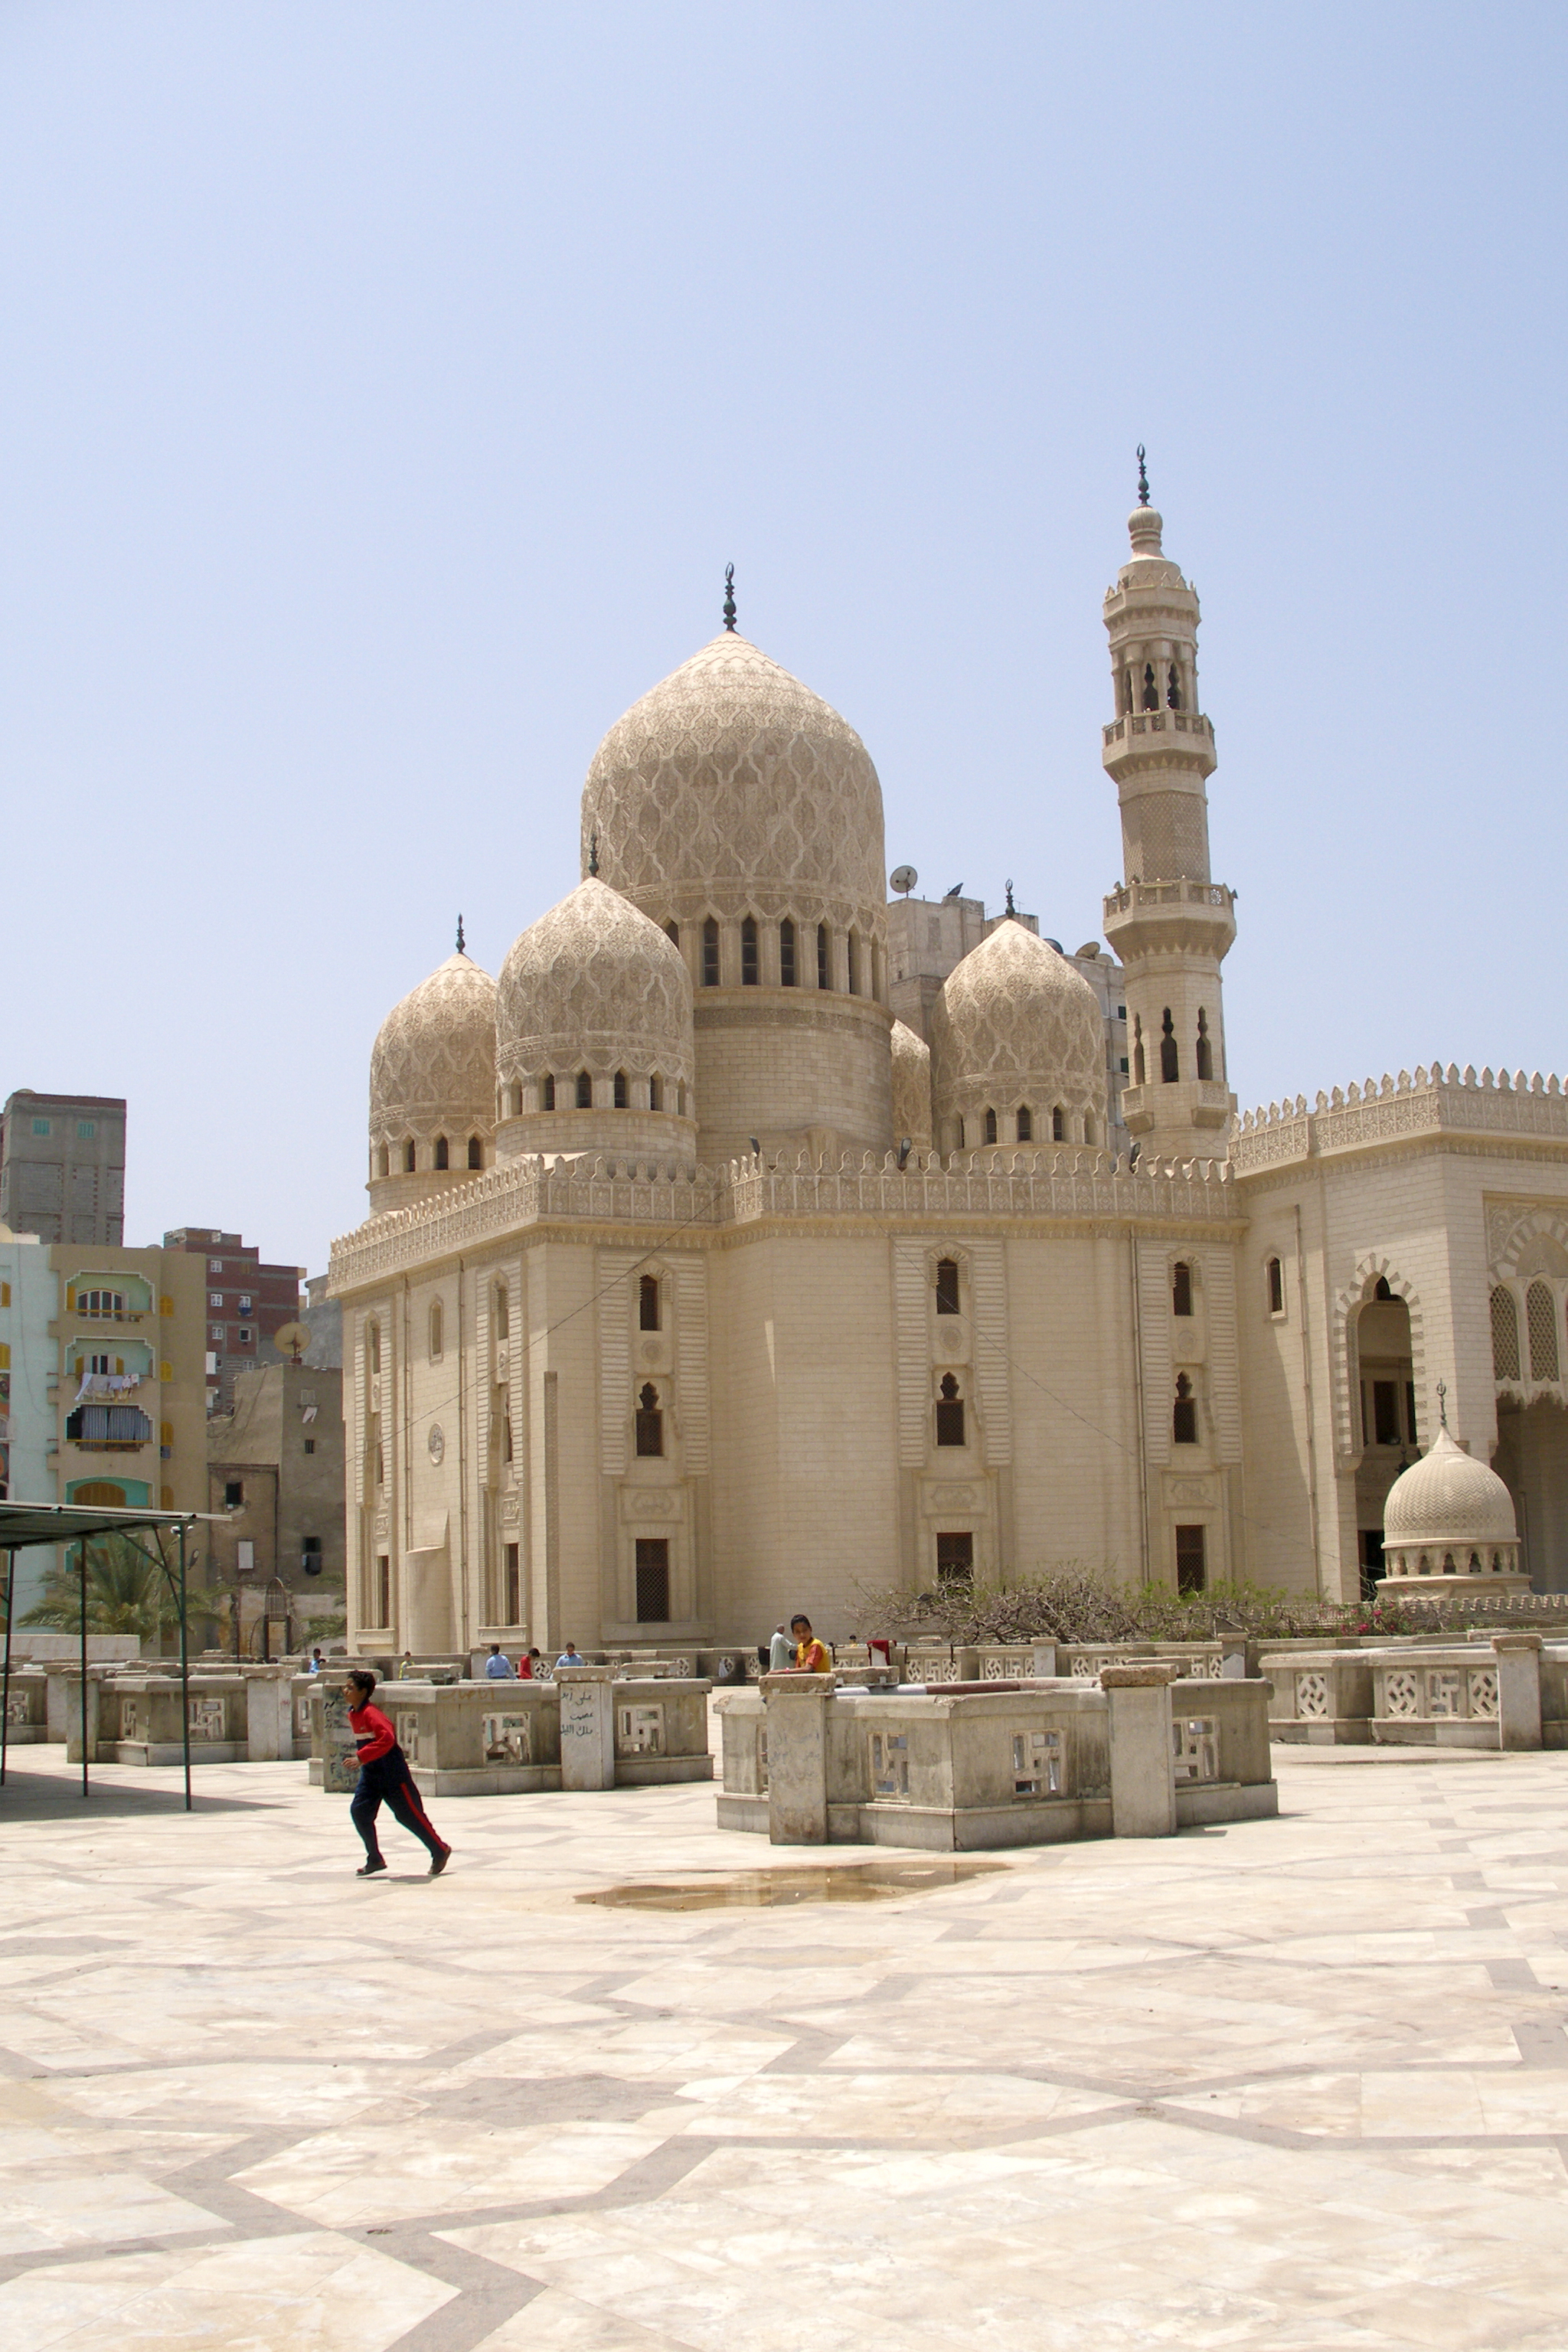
(185, 1671)
(10, 1621)
(82, 1568)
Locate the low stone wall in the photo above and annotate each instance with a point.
(590, 1728)
(237, 1714)
(1502, 1692)
(26, 1707)
(1027, 1763)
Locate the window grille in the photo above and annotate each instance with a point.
(1505, 1336)
(1542, 1322)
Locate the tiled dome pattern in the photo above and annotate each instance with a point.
(733, 780)
(911, 1087)
(1449, 1499)
(1014, 1021)
(593, 984)
(432, 1067)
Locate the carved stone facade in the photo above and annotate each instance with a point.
(733, 1318)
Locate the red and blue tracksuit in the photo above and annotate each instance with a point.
(384, 1774)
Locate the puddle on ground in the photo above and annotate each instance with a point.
(845, 1882)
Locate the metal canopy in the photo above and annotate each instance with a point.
(24, 1525)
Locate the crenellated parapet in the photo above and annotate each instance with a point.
(1069, 1185)
(1427, 1101)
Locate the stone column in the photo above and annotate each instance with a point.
(339, 1756)
(72, 1685)
(1142, 1769)
(1518, 1689)
(268, 1714)
(1043, 1665)
(797, 1758)
(587, 1726)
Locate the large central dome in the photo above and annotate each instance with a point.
(732, 780)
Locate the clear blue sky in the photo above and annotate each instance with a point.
(387, 385)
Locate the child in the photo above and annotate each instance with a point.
(383, 1773)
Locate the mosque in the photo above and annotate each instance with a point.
(752, 1239)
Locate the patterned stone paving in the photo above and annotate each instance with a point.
(1297, 2084)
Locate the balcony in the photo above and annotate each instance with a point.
(108, 1314)
(1154, 734)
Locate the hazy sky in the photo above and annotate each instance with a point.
(386, 388)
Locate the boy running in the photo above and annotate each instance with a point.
(383, 1773)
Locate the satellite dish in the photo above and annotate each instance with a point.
(903, 879)
(293, 1341)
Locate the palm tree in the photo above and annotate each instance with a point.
(127, 1592)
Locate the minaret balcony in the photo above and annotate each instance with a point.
(1140, 736)
(1151, 918)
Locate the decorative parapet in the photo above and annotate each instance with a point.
(599, 1191)
(1431, 1102)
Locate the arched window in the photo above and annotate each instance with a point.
(710, 953)
(434, 1330)
(623, 1093)
(655, 1092)
(547, 1091)
(441, 1157)
(1541, 1321)
(384, 1161)
(647, 1303)
(1172, 690)
(786, 954)
(1184, 1416)
(750, 971)
(680, 1098)
(1151, 691)
(410, 1160)
(990, 1127)
(949, 1412)
(585, 1091)
(961, 1142)
(650, 1421)
(672, 932)
(1025, 1124)
(947, 1285)
(852, 957)
(1276, 1278)
(475, 1151)
(373, 1347)
(1089, 1134)
(1170, 1068)
(1059, 1125)
(1205, 1050)
(1181, 1287)
(1138, 1070)
(824, 957)
(502, 1312)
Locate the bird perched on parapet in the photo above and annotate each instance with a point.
(954, 892)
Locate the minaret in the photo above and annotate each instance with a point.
(1168, 922)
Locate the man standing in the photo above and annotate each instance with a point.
(569, 1656)
(781, 1652)
(383, 1773)
(498, 1665)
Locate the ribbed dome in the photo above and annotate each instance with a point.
(733, 776)
(911, 1087)
(1015, 1021)
(432, 1069)
(593, 984)
(1448, 1499)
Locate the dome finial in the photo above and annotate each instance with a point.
(1011, 908)
(593, 852)
(1143, 478)
(729, 596)
(461, 950)
(1442, 1402)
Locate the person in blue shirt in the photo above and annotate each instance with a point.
(569, 1656)
(498, 1665)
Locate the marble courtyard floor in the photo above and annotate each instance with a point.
(1288, 2085)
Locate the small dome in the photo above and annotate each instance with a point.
(911, 1087)
(733, 778)
(1448, 1499)
(1014, 1023)
(593, 984)
(432, 1069)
